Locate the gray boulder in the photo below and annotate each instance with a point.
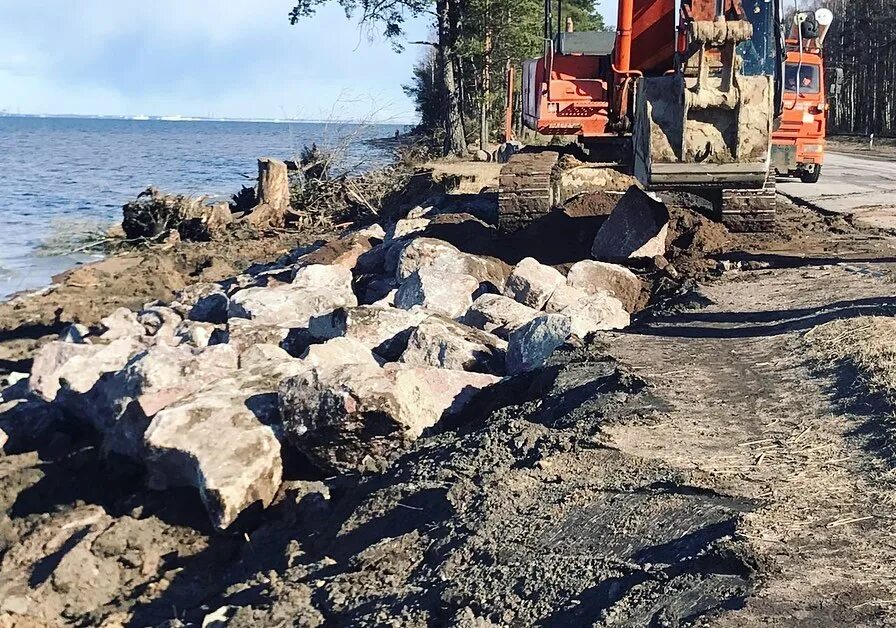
(437, 255)
(532, 344)
(636, 228)
(588, 312)
(316, 289)
(383, 329)
(444, 343)
(76, 368)
(598, 277)
(498, 314)
(359, 416)
(532, 283)
(121, 323)
(437, 291)
(243, 333)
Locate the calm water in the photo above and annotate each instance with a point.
(61, 175)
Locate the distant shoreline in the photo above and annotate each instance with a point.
(141, 118)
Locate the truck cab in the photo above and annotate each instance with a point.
(798, 143)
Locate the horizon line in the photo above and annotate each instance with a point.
(179, 118)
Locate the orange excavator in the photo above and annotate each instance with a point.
(683, 96)
(798, 143)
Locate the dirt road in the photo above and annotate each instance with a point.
(864, 188)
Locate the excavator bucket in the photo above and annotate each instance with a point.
(708, 126)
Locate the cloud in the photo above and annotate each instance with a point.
(228, 58)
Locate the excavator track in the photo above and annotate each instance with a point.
(750, 210)
(525, 190)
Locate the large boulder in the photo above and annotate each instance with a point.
(359, 416)
(441, 256)
(437, 291)
(121, 323)
(636, 228)
(498, 314)
(444, 343)
(76, 368)
(384, 330)
(532, 344)
(532, 283)
(243, 333)
(346, 250)
(588, 312)
(316, 289)
(336, 353)
(122, 404)
(160, 322)
(222, 440)
(598, 277)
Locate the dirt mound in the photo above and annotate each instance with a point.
(590, 204)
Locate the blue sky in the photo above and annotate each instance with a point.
(227, 58)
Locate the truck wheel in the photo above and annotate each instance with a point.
(811, 177)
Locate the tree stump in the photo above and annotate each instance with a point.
(273, 191)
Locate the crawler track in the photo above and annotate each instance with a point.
(525, 190)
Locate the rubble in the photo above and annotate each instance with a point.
(530, 345)
(437, 291)
(597, 277)
(359, 416)
(316, 289)
(444, 343)
(636, 228)
(588, 312)
(532, 283)
(498, 314)
(380, 328)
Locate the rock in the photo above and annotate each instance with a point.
(589, 312)
(444, 343)
(481, 155)
(243, 333)
(359, 416)
(532, 283)
(383, 330)
(376, 290)
(211, 308)
(77, 367)
(437, 291)
(636, 228)
(3, 439)
(195, 333)
(441, 256)
(160, 322)
(75, 333)
(406, 227)
(316, 289)
(498, 314)
(264, 355)
(336, 353)
(597, 277)
(122, 404)
(122, 323)
(220, 441)
(532, 344)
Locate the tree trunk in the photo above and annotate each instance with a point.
(455, 139)
(486, 83)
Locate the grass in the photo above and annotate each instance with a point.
(866, 343)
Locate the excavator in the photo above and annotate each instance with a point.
(684, 96)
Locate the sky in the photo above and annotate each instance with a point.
(221, 58)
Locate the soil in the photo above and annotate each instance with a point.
(696, 469)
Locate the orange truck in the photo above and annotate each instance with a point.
(798, 143)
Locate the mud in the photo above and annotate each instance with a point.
(693, 470)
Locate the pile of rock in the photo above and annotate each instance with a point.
(347, 353)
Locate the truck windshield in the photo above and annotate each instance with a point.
(760, 52)
(803, 76)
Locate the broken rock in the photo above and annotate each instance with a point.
(532, 344)
(588, 312)
(359, 416)
(636, 228)
(436, 291)
(122, 323)
(316, 289)
(444, 343)
(532, 283)
(597, 277)
(498, 314)
(77, 367)
(444, 257)
(382, 329)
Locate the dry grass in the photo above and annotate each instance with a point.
(867, 343)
